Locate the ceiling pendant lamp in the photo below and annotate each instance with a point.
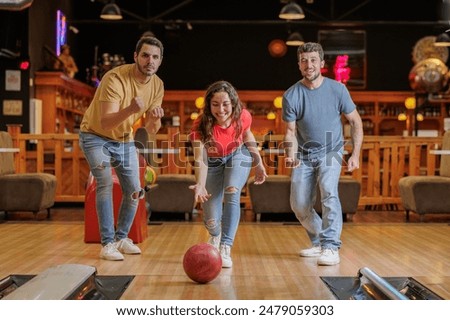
(111, 11)
(443, 40)
(295, 39)
(291, 11)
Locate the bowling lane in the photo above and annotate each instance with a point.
(266, 264)
(228, 287)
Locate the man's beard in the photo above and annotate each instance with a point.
(314, 77)
(144, 71)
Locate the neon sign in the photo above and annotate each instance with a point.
(61, 30)
(341, 69)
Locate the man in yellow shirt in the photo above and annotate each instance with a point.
(124, 95)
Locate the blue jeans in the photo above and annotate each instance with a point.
(103, 154)
(225, 180)
(325, 173)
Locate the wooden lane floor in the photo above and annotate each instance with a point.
(266, 264)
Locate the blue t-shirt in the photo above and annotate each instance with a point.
(317, 113)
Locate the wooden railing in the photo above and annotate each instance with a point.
(384, 160)
(58, 154)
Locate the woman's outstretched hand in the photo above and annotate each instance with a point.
(201, 195)
(260, 174)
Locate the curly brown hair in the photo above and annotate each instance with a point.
(311, 47)
(207, 120)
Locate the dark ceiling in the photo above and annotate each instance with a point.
(265, 11)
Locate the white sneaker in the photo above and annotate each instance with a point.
(314, 251)
(225, 253)
(126, 246)
(110, 252)
(214, 241)
(329, 257)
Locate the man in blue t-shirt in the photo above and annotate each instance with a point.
(312, 110)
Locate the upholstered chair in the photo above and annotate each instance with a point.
(172, 195)
(32, 192)
(428, 194)
(273, 196)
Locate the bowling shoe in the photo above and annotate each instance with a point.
(126, 246)
(214, 240)
(314, 251)
(329, 257)
(110, 252)
(225, 253)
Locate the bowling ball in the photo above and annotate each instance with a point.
(202, 262)
(150, 175)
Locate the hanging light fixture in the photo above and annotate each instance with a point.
(200, 102)
(277, 48)
(410, 103)
(419, 117)
(295, 39)
(443, 40)
(111, 11)
(194, 115)
(271, 116)
(278, 102)
(291, 11)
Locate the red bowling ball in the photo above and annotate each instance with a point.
(202, 263)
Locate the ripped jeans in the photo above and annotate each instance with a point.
(226, 178)
(324, 173)
(103, 154)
